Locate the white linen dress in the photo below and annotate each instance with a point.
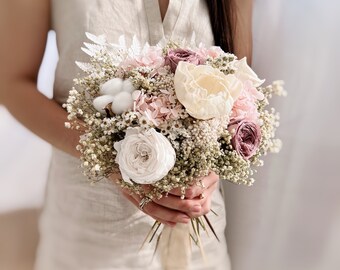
(95, 227)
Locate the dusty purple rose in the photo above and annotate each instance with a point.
(246, 139)
(177, 55)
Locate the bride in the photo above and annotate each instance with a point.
(102, 227)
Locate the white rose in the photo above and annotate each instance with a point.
(115, 91)
(245, 73)
(144, 158)
(204, 91)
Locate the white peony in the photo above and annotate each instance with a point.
(245, 73)
(204, 91)
(115, 91)
(144, 157)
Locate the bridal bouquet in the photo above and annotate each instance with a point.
(167, 115)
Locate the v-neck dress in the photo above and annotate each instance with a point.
(95, 227)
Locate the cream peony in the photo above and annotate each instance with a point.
(245, 73)
(204, 91)
(144, 157)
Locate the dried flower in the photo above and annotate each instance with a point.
(175, 56)
(245, 106)
(212, 52)
(204, 91)
(245, 73)
(150, 57)
(157, 108)
(144, 157)
(246, 138)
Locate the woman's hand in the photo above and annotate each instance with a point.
(172, 209)
(201, 195)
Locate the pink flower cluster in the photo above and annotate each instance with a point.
(244, 121)
(212, 52)
(152, 57)
(157, 109)
(245, 107)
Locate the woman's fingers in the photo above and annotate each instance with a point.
(196, 190)
(160, 212)
(171, 224)
(190, 193)
(163, 213)
(172, 209)
(205, 202)
(193, 207)
(176, 203)
(135, 201)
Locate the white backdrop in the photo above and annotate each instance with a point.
(290, 219)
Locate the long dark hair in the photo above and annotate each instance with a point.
(222, 17)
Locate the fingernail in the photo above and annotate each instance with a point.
(196, 208)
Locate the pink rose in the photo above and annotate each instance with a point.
(246, 139)
(175, 56)
(245, 107)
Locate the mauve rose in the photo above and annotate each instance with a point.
(246, 139)
(175, 56)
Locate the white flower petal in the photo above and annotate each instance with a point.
(244, 72)
(125, 177)
(131, 131)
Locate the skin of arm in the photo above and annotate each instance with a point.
(24, 26)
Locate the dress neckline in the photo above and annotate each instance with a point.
(159, 29)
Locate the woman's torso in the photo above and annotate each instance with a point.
(72, 18)
(95, 227)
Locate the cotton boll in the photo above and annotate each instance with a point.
(122, 102)
(111, 87)
(101, 102)
(128, 86)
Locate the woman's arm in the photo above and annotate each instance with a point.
(243, 42)
(24, 26)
